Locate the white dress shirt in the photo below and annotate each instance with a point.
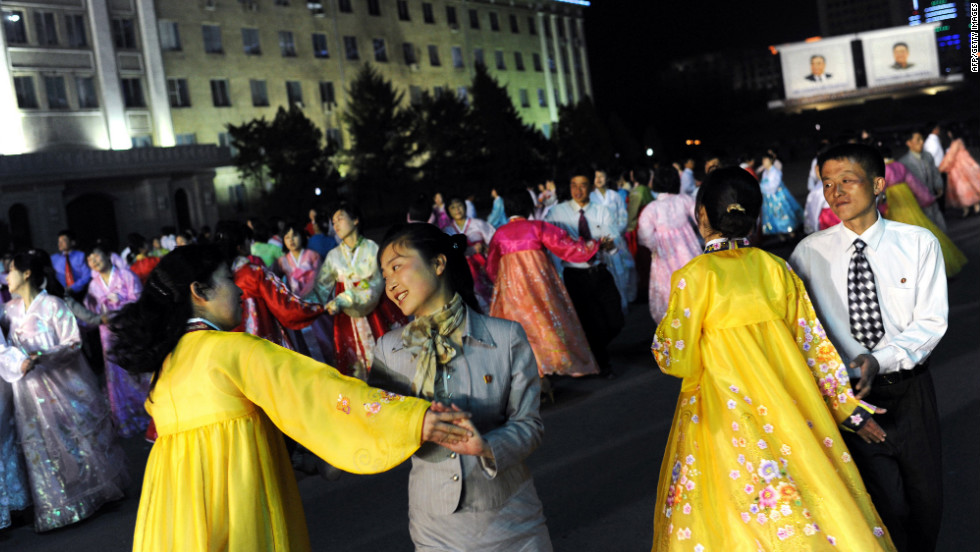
(935, 148)
(565, 216)
(910, 279)
(689, 186)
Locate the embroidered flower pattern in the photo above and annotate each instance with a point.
(372, 408)
(343, 404)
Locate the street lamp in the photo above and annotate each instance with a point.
(649, 152)
(317, 191)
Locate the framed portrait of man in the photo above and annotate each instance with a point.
(815, 68)
(900, 54)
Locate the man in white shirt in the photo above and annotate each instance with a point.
(689, 185)
(933, 145)
(590, 285)
(879, 287)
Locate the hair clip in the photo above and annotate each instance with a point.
(735, 207)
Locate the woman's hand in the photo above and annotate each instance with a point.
(475, 445)
(28, 364)
(332, 308)
(444, 427)
(871, 432)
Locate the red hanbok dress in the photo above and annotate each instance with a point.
(268, 305)
(529, 291)
(351, 277)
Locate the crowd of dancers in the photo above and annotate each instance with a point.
(445, 336)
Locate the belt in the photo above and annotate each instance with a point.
(895, 377)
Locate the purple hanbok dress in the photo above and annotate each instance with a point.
(74, 464)
(127, 393)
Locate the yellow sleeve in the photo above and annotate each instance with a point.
(676, 343)
(822, 359)
(356, 428)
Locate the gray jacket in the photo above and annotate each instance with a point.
(924, 169)
(496, 380)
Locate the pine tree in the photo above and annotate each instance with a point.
(381, 148)
(581, 138)
(443, 143)
(509, 151)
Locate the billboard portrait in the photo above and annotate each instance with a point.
(900, 54)
(815, 68)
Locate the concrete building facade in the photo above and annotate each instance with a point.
(110, 76)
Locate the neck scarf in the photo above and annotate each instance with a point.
(427, 338)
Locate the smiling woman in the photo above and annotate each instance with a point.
(478, 495)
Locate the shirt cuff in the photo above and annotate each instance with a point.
(859, 417)
(888, 359)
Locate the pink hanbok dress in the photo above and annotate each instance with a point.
(963, 176)
(529, 291)
(477, 232)
(74, 464)
(127, 392)
(666, 228)
(315, 340)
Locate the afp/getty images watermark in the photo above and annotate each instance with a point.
(974, 41)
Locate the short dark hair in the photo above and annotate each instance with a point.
(580, 171)
(352, 210)
(815, 56)
(731, 199)
(641, 174)
(867, 156)
(897, 44)
(67, 233)
(517, 203)
(667, 181)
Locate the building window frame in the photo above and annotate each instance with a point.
(169, 36)
(251, 41)
(178, 92)
(287, 44)
(220, 93)
(380, 47)
(321, 48)
(260, 92)
(212, 39)
(132, 91)
(124, 34)
(350, 48)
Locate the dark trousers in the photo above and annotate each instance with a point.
(904, 474)
(597, 304)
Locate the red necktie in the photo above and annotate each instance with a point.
(69, 275)
(583, 226)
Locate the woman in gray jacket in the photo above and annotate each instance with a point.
(477, 496)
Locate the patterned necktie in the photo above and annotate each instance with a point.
(69, 275)
(583, 226)
(862, 300)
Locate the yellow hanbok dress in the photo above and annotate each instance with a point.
(219, 478)
(755, 459)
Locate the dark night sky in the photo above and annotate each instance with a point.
(628, 40)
